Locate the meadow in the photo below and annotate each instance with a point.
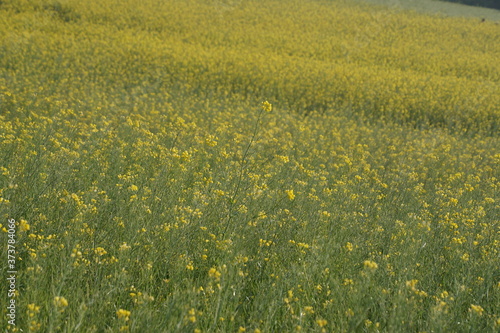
(249, 166)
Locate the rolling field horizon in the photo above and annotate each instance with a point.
(249, 166)
(453, 8)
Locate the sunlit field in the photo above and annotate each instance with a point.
(248, 166)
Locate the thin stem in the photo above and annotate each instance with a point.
(241, 172)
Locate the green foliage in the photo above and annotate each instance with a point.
(249, 166)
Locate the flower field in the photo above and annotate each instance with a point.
(248, 166)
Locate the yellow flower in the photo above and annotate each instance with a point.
(124, 247)
(266, 106)
(100, 251)
(61, 303)
(370, 264)
(23, 225)
(214, 273)
(348, 282)
(290, 194)
(192, 315)
(211, 140)
(477, 309)
(309, 309)
(123, 314)
(321, 322)
(412, 284)
(33, 308)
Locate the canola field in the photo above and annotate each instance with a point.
(248, 166)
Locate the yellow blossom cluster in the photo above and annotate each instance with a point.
(251, 166)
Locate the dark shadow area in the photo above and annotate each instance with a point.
(479, 3)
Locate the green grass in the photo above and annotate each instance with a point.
(154, 193)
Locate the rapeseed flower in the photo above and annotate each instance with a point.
(61, 303)
(266, 106)
(371, 265)
(123, 314)
(476, 309)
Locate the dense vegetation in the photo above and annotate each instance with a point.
(258, 166)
